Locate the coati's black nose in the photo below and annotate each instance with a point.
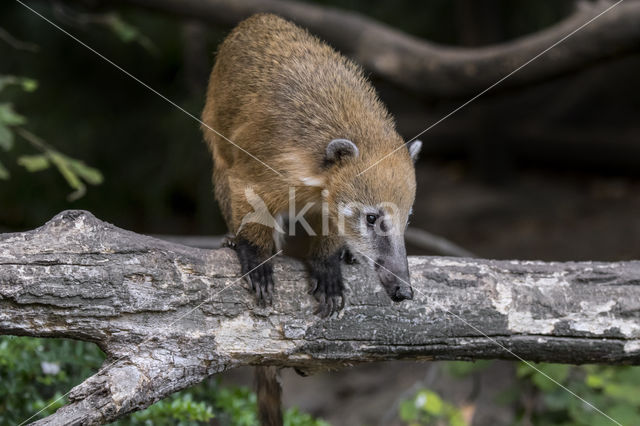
(395, 279)
(402, 292)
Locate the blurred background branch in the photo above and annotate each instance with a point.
(416, 237)
(428, 68)
(17, 44)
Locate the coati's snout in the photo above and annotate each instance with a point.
(396, 289)
(394, 277)
(376, 231)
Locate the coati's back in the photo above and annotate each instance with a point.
(276, 85)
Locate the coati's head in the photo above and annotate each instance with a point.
(371, 208)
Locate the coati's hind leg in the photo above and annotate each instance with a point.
(326, 275)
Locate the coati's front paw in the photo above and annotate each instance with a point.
(228, 241)
(328, 288)
(347, 257)
(329, 292)
(259, 273)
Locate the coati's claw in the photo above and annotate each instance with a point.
(314, 288)
(329, 306)
(229, 241)
(301, 372)
(263, 286)
(347, 257)
(328, 288)
(259, 275)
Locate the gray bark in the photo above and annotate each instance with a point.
(414, 236)
(168, 316)
(431, 69)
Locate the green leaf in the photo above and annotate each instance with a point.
(433, 404)
(6, 137)
(34, 163)
(523, 370)
(62, 164)
(623, 392)
(558, 372)
(181, 410)
(408, 411)
(556, 401)
(595, 381)
(9, 117)
(455, 417)
(294, 417)
(122, 29)
(75, 172)
(89, 174)
(29, 84)
(4, 173)
(128, 33)
(625, 414)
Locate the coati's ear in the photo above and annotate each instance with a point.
(414, 149)
(339, 149)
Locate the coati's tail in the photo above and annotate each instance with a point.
(269, 396)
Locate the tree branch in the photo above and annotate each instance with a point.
(435, 243)
(168, 316)
(17, 44)
(414, 236)
(431, 69)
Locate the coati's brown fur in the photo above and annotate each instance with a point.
(285, 97)
(281, 94)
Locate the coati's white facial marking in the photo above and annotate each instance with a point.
(347, 211)
(381, 220)
(312, 181)
(370, 209)
(388, 220)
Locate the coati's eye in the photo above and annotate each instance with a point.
(372, 218)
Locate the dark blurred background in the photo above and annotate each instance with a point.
(547, 170)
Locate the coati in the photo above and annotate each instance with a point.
(297, 114)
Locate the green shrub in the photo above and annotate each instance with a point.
(36, 372)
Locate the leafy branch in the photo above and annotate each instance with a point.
(76, 173)
(112, 21)
(17, 44)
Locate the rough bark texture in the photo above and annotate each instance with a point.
(428, 68)
(169, 316)
(415, 236)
